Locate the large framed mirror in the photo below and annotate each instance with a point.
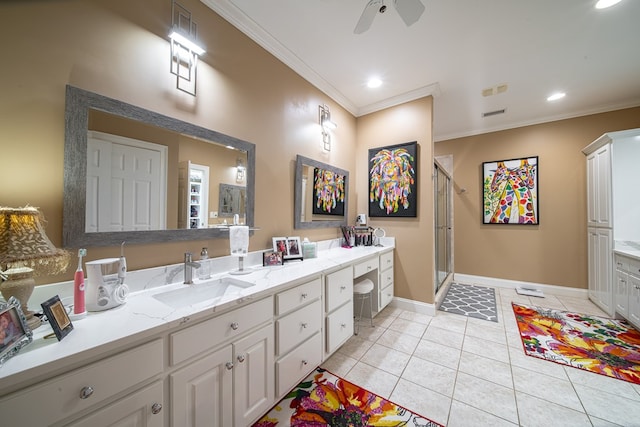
(138, 176)
(320, 196)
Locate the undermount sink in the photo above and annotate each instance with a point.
(201, 293)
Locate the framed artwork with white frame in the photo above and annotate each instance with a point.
(290, 247)
(14, 331)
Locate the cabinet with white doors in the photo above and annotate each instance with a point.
(229, 380)
(123, 388)
(193, 189)
(599, 187)
(599, 247)
(338, 310)
(386, 280)
(628, 288)
(298, 326)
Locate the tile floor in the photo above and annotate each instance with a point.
(462, 371)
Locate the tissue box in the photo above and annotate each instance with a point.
(309, 249)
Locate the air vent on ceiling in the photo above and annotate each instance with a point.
(493, 113)
(495, 90)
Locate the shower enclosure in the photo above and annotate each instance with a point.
(443, 206)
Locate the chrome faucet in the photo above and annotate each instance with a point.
(189, 265)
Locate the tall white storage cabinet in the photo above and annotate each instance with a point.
(599, 223)
(193, 192)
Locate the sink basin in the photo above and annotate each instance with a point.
(202, 293)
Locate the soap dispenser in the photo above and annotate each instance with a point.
(204, 272)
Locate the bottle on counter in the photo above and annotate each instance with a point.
(204, 272)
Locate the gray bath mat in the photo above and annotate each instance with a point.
(471, 301)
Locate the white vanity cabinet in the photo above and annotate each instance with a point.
(628, 288)
(298, 334)
(338, 290)
(386, 280)
(231, 382)
(106, 392)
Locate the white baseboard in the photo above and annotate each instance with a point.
(513, 284)
(415, 306)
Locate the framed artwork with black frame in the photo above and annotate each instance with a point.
(393, 180)
(510, 191)
(14, 331)
(57, 317)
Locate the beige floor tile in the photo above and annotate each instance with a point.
(451, 322)
(609, 407)
(398, 341)
(485, 368)
(373, 379)
(601, 382)
(443, 336)
(386, 359)
(422, 401)
(486, 348)
(416, 317)
(550, 389)
(463, 415)
(535, 412)
(408, 327)
(487, 396)
(355, 347)
(438, 353)
(545, 367)
(339, 364)
(430, 375)
(481, 331)
(370, 333)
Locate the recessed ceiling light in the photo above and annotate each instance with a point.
(603, 4)
(556, 96)
(374, 82)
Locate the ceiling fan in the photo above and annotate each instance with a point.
(409, 10)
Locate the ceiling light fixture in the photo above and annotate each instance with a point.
(184, 49)
(326, 123)
(603, 4)
(374, 82)
(556, 96)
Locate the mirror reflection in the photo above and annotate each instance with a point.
(135, 175)
(320, 194)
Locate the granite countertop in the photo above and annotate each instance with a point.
(143, 316)
(627, 248)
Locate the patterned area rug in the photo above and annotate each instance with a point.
(324, 399)
(597, 344)
(471, 301)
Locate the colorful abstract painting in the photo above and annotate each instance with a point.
(596, 344)
(328, 192)
(393, 178)
(323, 399)
(510, 191)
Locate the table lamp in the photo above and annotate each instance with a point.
(25, 251)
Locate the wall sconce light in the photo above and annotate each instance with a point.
(326, 123)
(184, 50)
(240, 170)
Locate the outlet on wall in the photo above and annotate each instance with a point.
(213, 214)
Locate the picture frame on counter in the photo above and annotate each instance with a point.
(15, 334)
(270, 258)
(57, 317)
(291, 247)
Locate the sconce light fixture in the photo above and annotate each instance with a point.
(326, 123)
(240, 170)
(184, 50)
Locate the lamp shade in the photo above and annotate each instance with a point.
(23, 242)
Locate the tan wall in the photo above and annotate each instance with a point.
(120, 49)
(413, 267)
(554, 252)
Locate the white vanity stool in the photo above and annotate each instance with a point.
(362, 290)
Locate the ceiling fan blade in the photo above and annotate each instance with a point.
(409, 10)
(366, 19)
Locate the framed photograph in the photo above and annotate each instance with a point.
(393, 181)
(510, 191)
(14, 331)
(290, 247)
(329, 192)
(272, 258)
(57, 316)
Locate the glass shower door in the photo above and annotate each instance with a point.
(442, 226)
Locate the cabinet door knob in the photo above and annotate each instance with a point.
(241, 358)
(156, 408)
(343, 287)
(235, 326)
(229, 365)
(86, 392)
(304, 362)
(344, 325)
(303, 296)
(304, 325)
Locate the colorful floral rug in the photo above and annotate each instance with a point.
(596, 344)
(323, 399)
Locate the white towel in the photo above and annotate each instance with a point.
(239, 240)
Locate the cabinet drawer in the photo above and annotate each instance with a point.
(298, 296)
(622, 264)
(298, 326)
(338, 288)
(634, 267)
(60, 397)
(298, 364)
(386, 260)
(386, 278)
(210, 333)
(386, 296)
(339, 327)
(364, 267)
